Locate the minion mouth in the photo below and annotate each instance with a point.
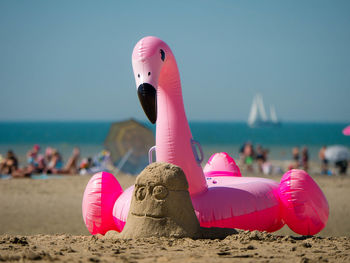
(148, 215)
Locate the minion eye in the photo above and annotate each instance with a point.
(140, 193)
(160, 192)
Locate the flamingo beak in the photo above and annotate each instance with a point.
(148, 98)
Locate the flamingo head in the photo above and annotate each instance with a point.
(148, 59)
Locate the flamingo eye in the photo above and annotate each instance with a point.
(138, 75)
(162, 54)
(149, 73)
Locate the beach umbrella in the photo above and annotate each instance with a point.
(337, 153)
(346, 131)
(129, 142)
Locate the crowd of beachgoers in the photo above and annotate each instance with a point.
(50, 162)
(253, 159)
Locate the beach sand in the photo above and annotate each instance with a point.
(42, 220)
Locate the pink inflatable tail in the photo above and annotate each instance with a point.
(304, 207)
(100, 195)
(221, 164)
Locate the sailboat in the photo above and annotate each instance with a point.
(258, 116)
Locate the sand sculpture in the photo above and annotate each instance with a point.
(161, 205)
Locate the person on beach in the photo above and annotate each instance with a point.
(248, 154)
(324, 161)
(56, 164)
(9, 164)
(71, 166)
(33, 153)
(48, 154)
(85, 165)
(241, 153)
(36, 161)
(36, 164)
(296, 163)
(23, 172)
(260, 157)
(305, 158)
(266, 166)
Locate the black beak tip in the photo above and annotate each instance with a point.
(148, 98)
(153, 121)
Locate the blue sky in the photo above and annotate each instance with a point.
(71, 60)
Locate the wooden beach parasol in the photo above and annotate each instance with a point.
(129, 142)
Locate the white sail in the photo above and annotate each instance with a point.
(253, 116)
(258, 116)
(261, 107)
(273, 114)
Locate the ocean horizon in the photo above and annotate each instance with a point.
(214, 136)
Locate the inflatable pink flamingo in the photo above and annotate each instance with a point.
(220, 196)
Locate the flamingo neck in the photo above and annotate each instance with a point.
(173, 134)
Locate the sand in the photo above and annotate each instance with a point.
(242, 247)
(41, 220)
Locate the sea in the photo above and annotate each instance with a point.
(213, 136)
